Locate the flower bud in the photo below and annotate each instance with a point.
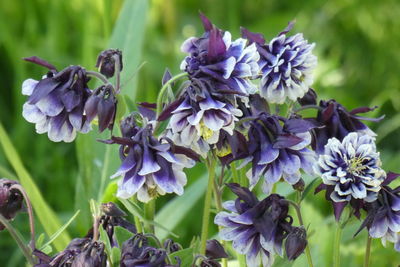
(299, 186)
(296, 242)
(310, 98)
(209, 263)
(214, 250)
(106, 62)
(92, 255)
(10, 200)
(171, 246)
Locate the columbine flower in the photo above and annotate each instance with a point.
(296, 243)
(278, 151)
(286, 64)
(10, 200)
(215, 58)
(383, 219)
(149, 167)
(257, 228)
(106, 62)
(197, 122)
(338, 122)
(103, 104)
(350, 170)
(56, 103)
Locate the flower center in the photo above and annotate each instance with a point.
(355, 165)
(225, 150)
(205, 132)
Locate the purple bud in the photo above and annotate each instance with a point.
(310, 98)
(106, 61)
(91, 255)
(10, 200)
(171, 246)
(111, 209)
(296, 242)
(166, 77)
(214, 250)
(299, 186)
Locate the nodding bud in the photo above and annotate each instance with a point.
(171, 246)
(106, 62)
(11, 200)
(112, 210)
(299, 186)
(102, 103)
(92, 255)
(310, 98)
(296, 242)
(214, 250)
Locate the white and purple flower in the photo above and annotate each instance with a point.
(278, 149)
(56, 103)
(286, 63)
(150, 167)
(215, 58)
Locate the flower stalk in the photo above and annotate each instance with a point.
(336, 245)
(164, 89)
(149, 213)
(367, 251)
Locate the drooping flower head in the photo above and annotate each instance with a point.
(106, 62)
(278, 149)
(350, 171)
(198, 117)
(214, 58)
(56, 103)
(383, 219)
(257, 228)
(150, 166)
(11, 200)
(286, 63)
(338, 122)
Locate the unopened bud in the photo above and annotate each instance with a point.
(214, 250)
(10, 200)
(299, 186)
(310, 98)
(296, 242)
(106, 62)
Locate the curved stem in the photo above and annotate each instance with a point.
(307, 107)
(336, 248)
(30, 214)
(18, 239)
(117, 74)
(97, 75)
(300, 217)
(207, 205)
(164, 88)
(367, 252)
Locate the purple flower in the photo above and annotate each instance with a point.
(278, 149)
(383, 219)
(257, 228)
(197, 121)
(11, 200)
(150, 166)
(338, 122)
(350, 171)
(56, 103)
(215, 58)
(106, 62)
(286, 63)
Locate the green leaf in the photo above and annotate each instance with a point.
(122, 235)
(60, 231)
(185, 255)
(46, 215)
(178, 208)
(106, 241)
(308, 188)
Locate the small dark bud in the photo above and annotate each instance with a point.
(111, 209)
(299, 186)
(102, 103)
(214, 250)
(296, 242)
(106, 62)
(11, 200)
(166, 77)
(310, 98)
(210, 263)
(92, 255)
(171, 246)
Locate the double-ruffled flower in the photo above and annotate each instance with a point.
(215, 58)
(149, 166)
(197, 121)
(278, 149)
(350, 170)
(257, 228)
(286, 63)
(56, 103)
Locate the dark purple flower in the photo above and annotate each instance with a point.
(199, 118)
(11, 200)
(338, 122)
(150, 166)
(278, 149)
(231, 146)
(257, 228)
(106, 62)
(214, 250)
(296, 242)
(350, 171)
(103, 104)
(383, 219)
(56, 103)
(215, 58)
(286, 63)
(310, 98)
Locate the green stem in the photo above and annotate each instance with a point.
(149, 213)
(336, 248)
(18, 239)
(207, 205)
(300, 217)
(164, 88)
(138, 224)
(235, 174)
(97, 75)
(117, 74)
(367, 252)
(242, 260)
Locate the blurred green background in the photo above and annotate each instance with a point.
(357, 44)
